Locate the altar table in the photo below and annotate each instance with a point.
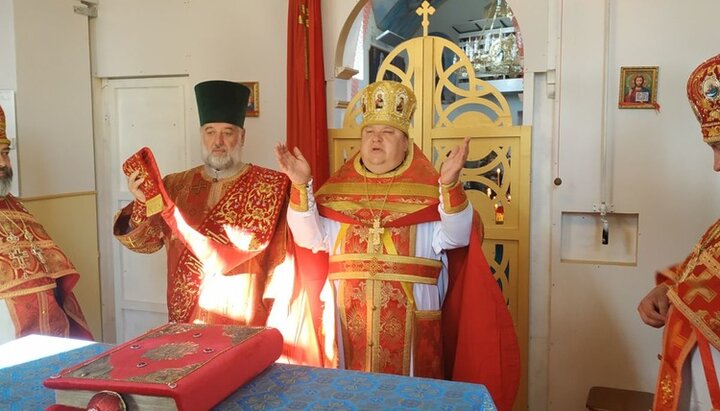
(280, 387)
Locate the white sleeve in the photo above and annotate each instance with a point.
(453, 230)
(307, 227)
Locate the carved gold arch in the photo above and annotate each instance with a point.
(477, 93)
(497, 173)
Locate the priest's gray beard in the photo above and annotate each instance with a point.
(231, 159)
(5, 180)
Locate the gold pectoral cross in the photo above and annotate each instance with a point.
(376, 231)
(19, 256)
(38, 253)
(12, 238)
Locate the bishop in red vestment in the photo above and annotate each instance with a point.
(406, 287)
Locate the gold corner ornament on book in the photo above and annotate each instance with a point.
(177, 366)
(143, 162)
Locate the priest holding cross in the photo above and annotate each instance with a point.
(399, 267)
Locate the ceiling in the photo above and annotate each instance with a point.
(399, 21)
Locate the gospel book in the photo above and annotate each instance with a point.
(175, 366)
(143, 161)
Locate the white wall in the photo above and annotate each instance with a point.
(54, 116)
(658, 168)
(221, 39)
(44, 60)
(7, 46)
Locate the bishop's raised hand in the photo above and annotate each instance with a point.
(293, 164)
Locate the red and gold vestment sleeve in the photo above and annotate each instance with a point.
(146, 237)
(299, 197)
(143, 163)
(139, 213)
(702, 252)
(454, 198)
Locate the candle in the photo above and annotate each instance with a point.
(499, 213)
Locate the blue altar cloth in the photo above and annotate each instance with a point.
(280, 387)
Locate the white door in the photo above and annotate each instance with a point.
(141, 112)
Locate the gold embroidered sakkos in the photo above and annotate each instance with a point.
(374, 268)
(249, 206)
(33, 270)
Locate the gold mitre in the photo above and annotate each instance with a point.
(3, 132)
(389, 103)
(703, 90)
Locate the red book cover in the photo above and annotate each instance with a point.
(197, 365)
(152, 187)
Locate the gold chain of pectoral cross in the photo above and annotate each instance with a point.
(377, 230)
(16, 253)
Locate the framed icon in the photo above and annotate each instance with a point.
(638, 87)
(253, 107)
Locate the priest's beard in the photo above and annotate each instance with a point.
(226, 162)
(5, 180)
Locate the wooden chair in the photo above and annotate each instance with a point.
(616, 399)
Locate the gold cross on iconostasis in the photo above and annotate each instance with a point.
(425, 10)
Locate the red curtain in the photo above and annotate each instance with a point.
(306, 102)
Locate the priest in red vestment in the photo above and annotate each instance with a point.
(686, 299)
(406, 287)
(36, 277)
(223, 225)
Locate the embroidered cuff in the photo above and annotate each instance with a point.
(299, 196)
(139, 214)
(454, 198)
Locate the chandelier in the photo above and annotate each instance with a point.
(495, 52)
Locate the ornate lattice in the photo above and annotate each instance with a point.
(473, 103)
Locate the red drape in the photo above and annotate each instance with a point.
(306, 102)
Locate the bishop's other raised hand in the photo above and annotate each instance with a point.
(293, 164)
(455, 161)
